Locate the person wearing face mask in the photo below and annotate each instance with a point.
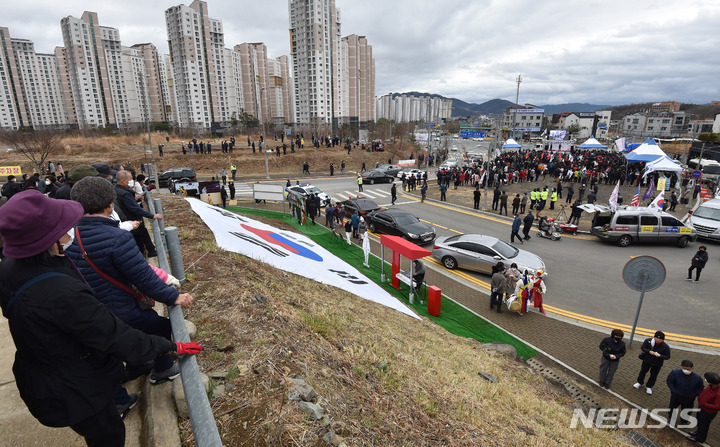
(685, 385)
(613, 349)
(709, 403)
(69, 347)
(107, 257)
(132, 211)
(654, 353)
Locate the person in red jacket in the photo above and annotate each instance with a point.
(709, 403)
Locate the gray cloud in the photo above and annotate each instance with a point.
(601, 52)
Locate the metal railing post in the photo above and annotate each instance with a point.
(177, 268)
(201, 416)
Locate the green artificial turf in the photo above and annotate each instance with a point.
(453, 317)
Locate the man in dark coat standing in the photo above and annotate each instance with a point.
(527, 224)
(685, 385)
(698, 263)
(654, 353)
(132, 211)
(613, 349)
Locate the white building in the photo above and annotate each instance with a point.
(315, 49)
(30, 86)
(523, 119)
(202, 67)
(410, 108)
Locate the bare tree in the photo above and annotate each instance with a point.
(35, 145)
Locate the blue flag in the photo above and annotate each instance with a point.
(650, 189)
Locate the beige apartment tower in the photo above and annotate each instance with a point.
(202, 67)
(360, 80)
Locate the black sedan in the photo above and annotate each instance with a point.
(372, 177)
(361, 205)
(397, 222)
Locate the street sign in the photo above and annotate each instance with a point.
(643, 273)
(696, 174)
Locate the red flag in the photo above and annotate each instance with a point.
(527, 154)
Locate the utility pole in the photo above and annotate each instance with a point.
(264, 135)
(147, 124)
(429, 121)
(517, 103)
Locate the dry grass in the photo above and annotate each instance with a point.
(384, 379)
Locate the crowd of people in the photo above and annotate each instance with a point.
(78, 293)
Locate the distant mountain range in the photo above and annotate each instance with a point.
(498, 106)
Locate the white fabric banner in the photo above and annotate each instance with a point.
(402, 163)
(291, 252)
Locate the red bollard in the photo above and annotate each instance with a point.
(434, 301)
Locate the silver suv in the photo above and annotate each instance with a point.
(639, 224)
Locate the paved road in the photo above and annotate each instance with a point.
(585, 274)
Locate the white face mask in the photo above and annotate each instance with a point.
(47, 182)
(131, 183)
(687, 372)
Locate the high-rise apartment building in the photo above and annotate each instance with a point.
(253, 78)
(360, 80)
(202, 67)
(408, 108)
(315, 49)
(30, 86)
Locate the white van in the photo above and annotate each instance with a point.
(706, 220)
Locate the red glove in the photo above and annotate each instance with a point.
(188, 348)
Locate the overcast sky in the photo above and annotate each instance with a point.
(601, 52)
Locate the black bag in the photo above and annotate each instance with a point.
(642, 355)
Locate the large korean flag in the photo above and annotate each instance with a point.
(291, 252)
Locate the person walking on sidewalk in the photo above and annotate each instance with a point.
(443, 191)
(685, 385)
(698, 263)
(423, 191)
(497, 286)
(654, 353)
(613, 349)
(503, 203)
(709, 403)
(393, 193)
(515, 230)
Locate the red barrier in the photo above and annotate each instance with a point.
(434, 300)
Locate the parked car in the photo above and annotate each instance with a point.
(361, 205)
(480, 253)
(305, 189)
(640, 224)
(409, 172)
(375, 176)
(175, 174)
(706, 220)
(397, 222)
(389, 169)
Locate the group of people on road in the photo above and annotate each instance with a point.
(685, 385)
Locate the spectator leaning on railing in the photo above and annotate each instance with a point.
(68, 365)
(111, 263)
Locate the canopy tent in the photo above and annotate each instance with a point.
(646, 152)
(592, 143)
(511, 144)
(663, 164)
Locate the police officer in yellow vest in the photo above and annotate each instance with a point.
(233, 171)
(360, 181)
(544, 196)
(553, 198)
(534, 196)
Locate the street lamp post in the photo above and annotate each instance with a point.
(264, 135)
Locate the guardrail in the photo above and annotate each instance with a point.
(202, 419)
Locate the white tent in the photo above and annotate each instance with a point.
(646, 152)
(592, 143)
(663, 164)
(511, 144)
